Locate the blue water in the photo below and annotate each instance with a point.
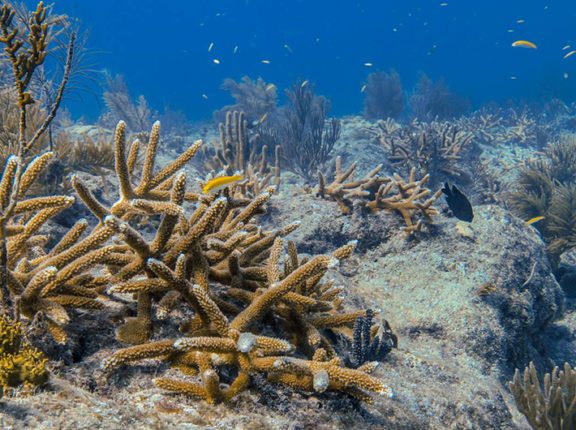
(162, 47)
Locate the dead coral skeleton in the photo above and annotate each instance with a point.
(411, 198)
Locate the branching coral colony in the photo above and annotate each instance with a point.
(410, 198)
(25, 48)
(237, 152)
(234, 277)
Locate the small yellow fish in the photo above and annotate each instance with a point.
(210, 46)
(217, 184)
(566, 47)
(534, 220)
(263, 118)
(303, 84)
(235, 49)
(363, 88)
(216, 61)
(265, 61)
(524, 44)
(270, 87)
(569, 54)
(368, 64)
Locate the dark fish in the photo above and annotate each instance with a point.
(458, 203)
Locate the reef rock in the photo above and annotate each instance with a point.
(467, 310)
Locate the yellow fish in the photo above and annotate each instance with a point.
(569, 54)
(534, 220)
(524, 44)
(217, 184)
(263, 118)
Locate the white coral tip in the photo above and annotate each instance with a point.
(179, 344)
(333, 262)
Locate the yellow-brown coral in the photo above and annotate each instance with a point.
(220, 244)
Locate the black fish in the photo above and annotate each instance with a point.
(458, 203)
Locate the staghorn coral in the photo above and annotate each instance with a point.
(522, 128)
(550, 407)
(237, 151)
(496, 127)
(219, 244)
(488, 127)
(22, 367)
(434, 148)
(45, 282)
(305, 308)
(409, 198)
(25, 37)
(383, 95)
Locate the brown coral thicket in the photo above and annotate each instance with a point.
(221, 265)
